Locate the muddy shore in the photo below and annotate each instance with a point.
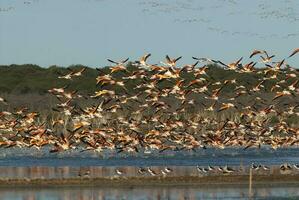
(155, 181)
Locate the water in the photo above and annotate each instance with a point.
(32, 163)
(150, 193)
(210, 156)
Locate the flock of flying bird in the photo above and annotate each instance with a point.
(162, 107)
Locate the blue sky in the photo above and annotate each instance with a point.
(65, 32)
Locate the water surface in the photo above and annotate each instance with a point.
(150, 193)
(211, 156)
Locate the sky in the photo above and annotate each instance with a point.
(66, 32)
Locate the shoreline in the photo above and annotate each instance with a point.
(156, 181)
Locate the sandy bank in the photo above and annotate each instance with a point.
(154, 181)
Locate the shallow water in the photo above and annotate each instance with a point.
(150, 193)
(229, 156)
(32, 163)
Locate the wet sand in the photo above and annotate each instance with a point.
(156, 181)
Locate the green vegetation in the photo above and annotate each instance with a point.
(24, 79)
(27, 85)
(29, 78)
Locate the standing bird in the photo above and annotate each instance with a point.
(227, 169)
(152, 172)
(119, 172)
(167, 170)
(296, 166)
